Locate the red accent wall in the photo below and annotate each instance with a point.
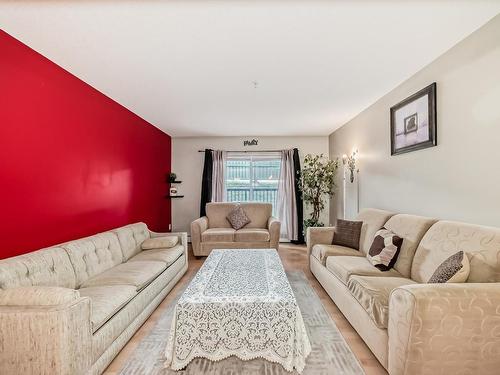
(73, 162)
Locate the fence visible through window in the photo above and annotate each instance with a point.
(253, 178)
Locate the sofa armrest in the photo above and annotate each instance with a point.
(318, 235)
(274, 228)
(45, 338)
(197, 228)
(444, 329)
(37, 296)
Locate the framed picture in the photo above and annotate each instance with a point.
(413, 122)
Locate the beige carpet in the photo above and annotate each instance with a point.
(330, 353)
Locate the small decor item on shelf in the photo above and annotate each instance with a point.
(173, 191)
(172, 177)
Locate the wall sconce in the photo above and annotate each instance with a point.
(351, 163)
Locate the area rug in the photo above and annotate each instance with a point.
(330, 353)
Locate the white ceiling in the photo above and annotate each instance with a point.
(189, 67)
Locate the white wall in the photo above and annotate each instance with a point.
(187, 162)
(460, 178)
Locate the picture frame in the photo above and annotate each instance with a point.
(414, 122)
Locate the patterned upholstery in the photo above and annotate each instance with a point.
(343, 267)
(411, 228)
(131, 237)
(93, 255)
(373, 294)
(46, 267)
(373, 219)
(445, 238)
(321, 252)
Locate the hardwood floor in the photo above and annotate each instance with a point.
(293, 258)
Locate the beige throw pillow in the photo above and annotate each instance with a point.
(454, 269)
(160, 242)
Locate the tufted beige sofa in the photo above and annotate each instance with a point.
(69, 309)
(413, 327)
(215, 232)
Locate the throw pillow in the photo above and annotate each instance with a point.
(454, 269)
(238, 218)
(347, 233)
(160, 242)
(385, 249)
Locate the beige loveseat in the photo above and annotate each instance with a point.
(69, 309)
(215, 232)
(413, 327)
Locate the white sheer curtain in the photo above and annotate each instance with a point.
(287, 205)
(218, 176)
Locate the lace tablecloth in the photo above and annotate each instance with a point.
(239, 303)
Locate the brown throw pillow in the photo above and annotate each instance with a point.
(347, 233)
(238, 218)
(385, 249)
(454, 269)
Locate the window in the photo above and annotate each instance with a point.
(252, 177)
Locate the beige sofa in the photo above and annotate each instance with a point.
(215, 232)
(69, 309)
(413, 327)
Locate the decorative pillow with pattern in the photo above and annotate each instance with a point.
(454, 269)
(385, 249)
(347, 233)
(238, 218)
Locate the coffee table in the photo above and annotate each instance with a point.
(240, 303)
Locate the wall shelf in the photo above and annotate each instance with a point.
(175, 182)
(174, 196)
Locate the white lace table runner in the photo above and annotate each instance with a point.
(239, 303)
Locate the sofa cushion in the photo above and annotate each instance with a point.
(168, 256)
(164, 242)
(46, 267)
(347, 233)
(218, 235)
(321, 252)
(384, 250)
(373, 219)
(373, 294)
(251, 235)
(258, 213)
(106, 301)
(411, 228)
(131, 238)
(217, 214)
(345, 266)
(138, 274)
(93, 255)
(481, 245)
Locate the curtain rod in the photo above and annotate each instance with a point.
(244, 150)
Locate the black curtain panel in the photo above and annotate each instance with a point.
(298, 198)
(206, 183)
